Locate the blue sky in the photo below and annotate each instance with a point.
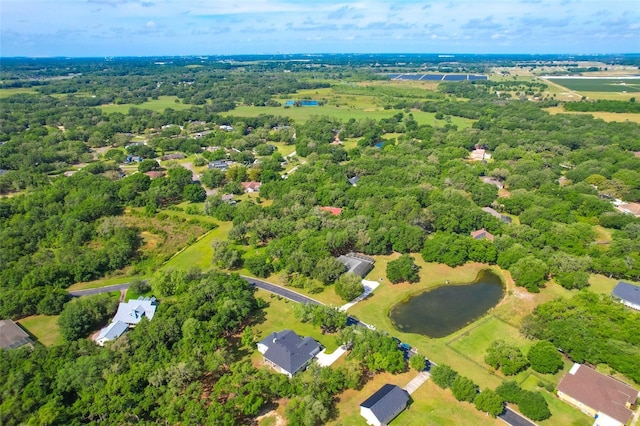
(206, 27)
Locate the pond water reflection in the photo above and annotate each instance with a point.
(440, 312)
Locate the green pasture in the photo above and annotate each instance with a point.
(475, 342)
(303, 114)
(5, 93)
(629, 85)
(44, 328)
(158, 105)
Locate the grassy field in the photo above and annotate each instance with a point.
(44, 328)
(5, 93)
(279, 316)
(620, 117)
(430, 405)
(614, 89)
(475, 342)
(619, 85)
(199, 253)
(159, 105)
(302, 114)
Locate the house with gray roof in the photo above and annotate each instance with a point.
(287, 352)
(357, 264)
(111, 332)
(12, 336)
(384, 405)
(628, 294)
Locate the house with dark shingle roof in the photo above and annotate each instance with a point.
(384, 405)
(604, 398)
(287, 352)
(628, 294)
(12, 336)
(357, 264)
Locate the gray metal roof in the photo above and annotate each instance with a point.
(627, 292)
(113, 330)
(289, 351)
(133, 311)
(387, 402)
(12, 336)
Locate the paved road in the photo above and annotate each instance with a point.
(514, 419)
(289, 294)
(99, 290)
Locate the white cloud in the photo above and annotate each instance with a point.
(339, 25)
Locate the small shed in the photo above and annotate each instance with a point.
(384, 405)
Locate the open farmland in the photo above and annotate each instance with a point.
(615, 88)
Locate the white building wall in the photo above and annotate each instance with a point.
(369, 416)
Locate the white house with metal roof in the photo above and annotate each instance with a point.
(111, 332)
(129, 314)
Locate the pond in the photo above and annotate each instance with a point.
(440, 312)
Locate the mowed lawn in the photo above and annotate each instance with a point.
(158, 105)
(279, 315)
(430, 405)
(44, 328)
(475, 342)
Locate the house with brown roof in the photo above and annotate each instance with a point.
(629, 208)
(481, 234)
(607, 400)
(251, 186)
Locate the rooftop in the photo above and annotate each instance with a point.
(113, 330)
(627, 292)
(384, 404)
(288, 350)
(357, 264)
(12, 336)
(133, 311)
(600, 392)
(482, 233)
(333, 210)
